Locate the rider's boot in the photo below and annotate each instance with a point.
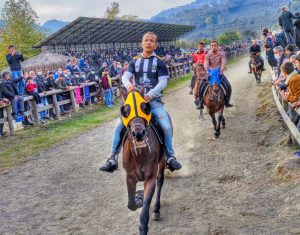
(173, 164)
(111, 164)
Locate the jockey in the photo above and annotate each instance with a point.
(198, 58)
(255, 50)
(213, 60)
(150, 72)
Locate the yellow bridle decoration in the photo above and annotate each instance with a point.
(134, 100)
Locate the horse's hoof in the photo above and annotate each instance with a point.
(132, 207)
(201, 118)
(143, 231)
(156, 216)
(217, 134)
(139, 198)
(223, 126)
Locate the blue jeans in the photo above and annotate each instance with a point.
(60, 98)
(18, 105)
(20, 85)
(108, 100)
(161, 116)
(43, 114)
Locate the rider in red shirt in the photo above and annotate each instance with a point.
(198, 58)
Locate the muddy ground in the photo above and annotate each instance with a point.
(227, 186)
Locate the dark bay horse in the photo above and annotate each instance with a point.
(214, 100)
(256, 67)
(143, 160)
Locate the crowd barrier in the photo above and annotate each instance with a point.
(290, 116)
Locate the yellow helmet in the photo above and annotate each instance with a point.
(135, 106)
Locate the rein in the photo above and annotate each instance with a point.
(135, 145)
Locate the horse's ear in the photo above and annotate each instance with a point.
(124, 93)
(142, 91)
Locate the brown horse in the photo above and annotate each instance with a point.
(256, 68)
(214, 100)
(143, 160)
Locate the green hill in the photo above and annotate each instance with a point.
(212, 17)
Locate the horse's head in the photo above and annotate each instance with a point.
(136, 114)
(200, 71)
(215, 80)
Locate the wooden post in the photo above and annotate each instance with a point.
(190, 67)
(74, 105)
(35, 112)
(10, 120)
(56, 106)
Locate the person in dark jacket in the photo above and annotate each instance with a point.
(13, 59)
(286, 23)
(280, 40)
(297, 30)
(270, 56)
(255, 50)
(10, 92)
(51, 85)
(3, 101)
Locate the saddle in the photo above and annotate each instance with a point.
(205, 85)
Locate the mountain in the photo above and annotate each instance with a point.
(51, 26)
(212, 17)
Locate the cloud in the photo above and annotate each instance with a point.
(68, 10)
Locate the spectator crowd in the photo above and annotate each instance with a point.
(283, 56)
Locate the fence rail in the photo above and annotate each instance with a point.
(175, 71)
(284, 108)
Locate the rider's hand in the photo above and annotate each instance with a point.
(130, 88)
(147, 99)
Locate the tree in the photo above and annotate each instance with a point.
(228, 37)
(20, 29)
(113, 11)
(129, 17)
(295, 5)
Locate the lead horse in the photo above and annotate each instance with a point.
(143, 160)
(214, 100)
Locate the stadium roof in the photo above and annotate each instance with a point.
(86, 30)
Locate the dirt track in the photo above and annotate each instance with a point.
(227, 186)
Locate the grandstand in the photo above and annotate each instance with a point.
(88, 34)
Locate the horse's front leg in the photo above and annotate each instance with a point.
(131, 187)
(149, 188)
(160, 182)
(213, 120)
(218, 130)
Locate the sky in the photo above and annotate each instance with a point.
(68, 10)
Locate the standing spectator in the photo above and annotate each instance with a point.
(41, 83)
(3, 101)
(125, 67)
(10, 92)
(297, 30)
(51, 85)
(270, 56)
(104, 66)
(61, 84)
(106, 88)
(13, 59)
(286, 23)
